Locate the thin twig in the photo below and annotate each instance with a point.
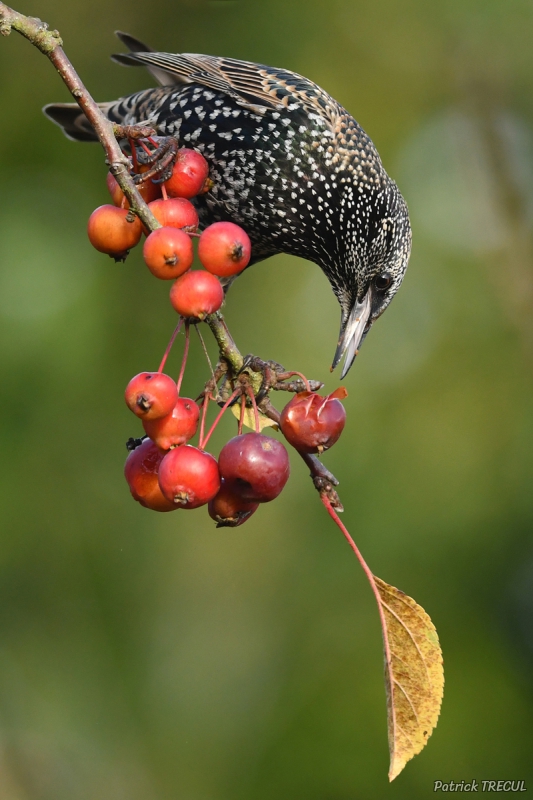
(227, 348)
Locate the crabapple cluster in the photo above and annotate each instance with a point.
(164, 470)
(223, 248)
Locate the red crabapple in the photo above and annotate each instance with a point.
(175, 428)
(197, 294)
(254, 466)
(312, 423)
(228, 509)
(110, 232)
(224, 249)
(151, 395)
(176, 212)
(189, 477)
(188, 175)
(140, 471)
(168, 253)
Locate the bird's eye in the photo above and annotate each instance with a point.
(382, 282)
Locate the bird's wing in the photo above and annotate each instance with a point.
(163, 77)
(255, 86)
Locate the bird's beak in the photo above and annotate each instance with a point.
(352, 332)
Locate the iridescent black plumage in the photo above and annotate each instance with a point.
(288, 163)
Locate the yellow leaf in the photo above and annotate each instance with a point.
(249, 418)
(414, 675)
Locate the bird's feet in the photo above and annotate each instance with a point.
(276, 377)
(133, 132)
(161, 160)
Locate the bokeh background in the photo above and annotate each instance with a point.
(153, 657)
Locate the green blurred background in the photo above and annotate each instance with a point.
(153, 657)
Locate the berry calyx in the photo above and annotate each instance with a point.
(151, 395)
(188, 174)
(176, 212)
(254, 466)
(228, 509)
(168, 253)
(224, 249)
(110, 231)
(197, 294)
(175, 428)
(141, 472)
(312, 423)
(189, 477)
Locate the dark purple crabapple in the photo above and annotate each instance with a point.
(254, 466)
(312, 423)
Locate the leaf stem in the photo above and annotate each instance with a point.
(370, 577)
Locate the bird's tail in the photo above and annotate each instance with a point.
(73, 121)
(71, 118)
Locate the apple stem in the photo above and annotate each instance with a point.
(228, 402)
(164, 192)
(196, 328)
(251, 395)
(241, 418)
(169, 346)
(145, 148)
(205, 402)
(185, 354)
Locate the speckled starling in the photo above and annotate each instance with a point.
(289, 164)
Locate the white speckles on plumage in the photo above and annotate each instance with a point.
(288, 163)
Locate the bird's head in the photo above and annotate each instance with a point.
(375, 263)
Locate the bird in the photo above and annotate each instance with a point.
(287, 163)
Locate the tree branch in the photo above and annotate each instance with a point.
(51, 45)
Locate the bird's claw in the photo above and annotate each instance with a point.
(161, 160)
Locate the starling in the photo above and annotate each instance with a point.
(288, 163)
